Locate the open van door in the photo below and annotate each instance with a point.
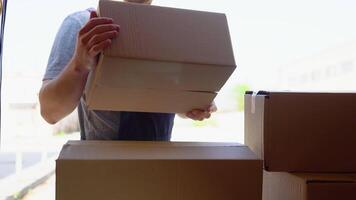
(3, 4)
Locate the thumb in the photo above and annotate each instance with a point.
(212, 108)
(93, 14)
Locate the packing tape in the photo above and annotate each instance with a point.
(253, 102)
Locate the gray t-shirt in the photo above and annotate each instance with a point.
(103, 125)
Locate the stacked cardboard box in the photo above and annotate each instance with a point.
(309, 133)
(111, 170)
(164, 60)
(308, 186)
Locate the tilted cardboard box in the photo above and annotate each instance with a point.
(111, 170)
(164, 59)
(289, 186)
(303, 132)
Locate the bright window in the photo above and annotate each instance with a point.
(278, 45)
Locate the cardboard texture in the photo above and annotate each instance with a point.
(302, 132)
(176, 59)
(283, 186)
(157, 171)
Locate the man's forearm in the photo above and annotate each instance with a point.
(60, 96)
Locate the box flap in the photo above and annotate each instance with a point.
(148, 100)
(168, 34)
(327, 178)
(307, 186)
(148, 74)
(149, 151)
(283, 186)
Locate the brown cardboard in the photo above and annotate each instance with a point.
(157, 171)
(149, 100)
(174, 52)
(303, 132)
(283, 186)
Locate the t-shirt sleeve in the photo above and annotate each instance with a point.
(63, 47)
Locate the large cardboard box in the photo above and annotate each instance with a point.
(303, 132)
(288, 186)
(164, 59)
(92, 170)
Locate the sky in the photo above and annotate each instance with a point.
(265, 34)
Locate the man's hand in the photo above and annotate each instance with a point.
(61, 95)
(93, 38)
(201, 114)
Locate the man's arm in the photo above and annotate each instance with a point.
(60, 96)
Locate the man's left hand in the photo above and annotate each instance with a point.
(201, 114)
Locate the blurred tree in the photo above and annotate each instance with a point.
(239, 92)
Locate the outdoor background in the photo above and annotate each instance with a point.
(278, 44)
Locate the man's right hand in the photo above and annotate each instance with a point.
(93, 38)
(61, 95)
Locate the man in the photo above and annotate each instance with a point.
(82, 36)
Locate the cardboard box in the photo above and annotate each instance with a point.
(303, 132)
(175, 59)
(288, 186)
(91, 170)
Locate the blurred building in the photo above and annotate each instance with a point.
(20, 109)
(331, 70)
(21, 118)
